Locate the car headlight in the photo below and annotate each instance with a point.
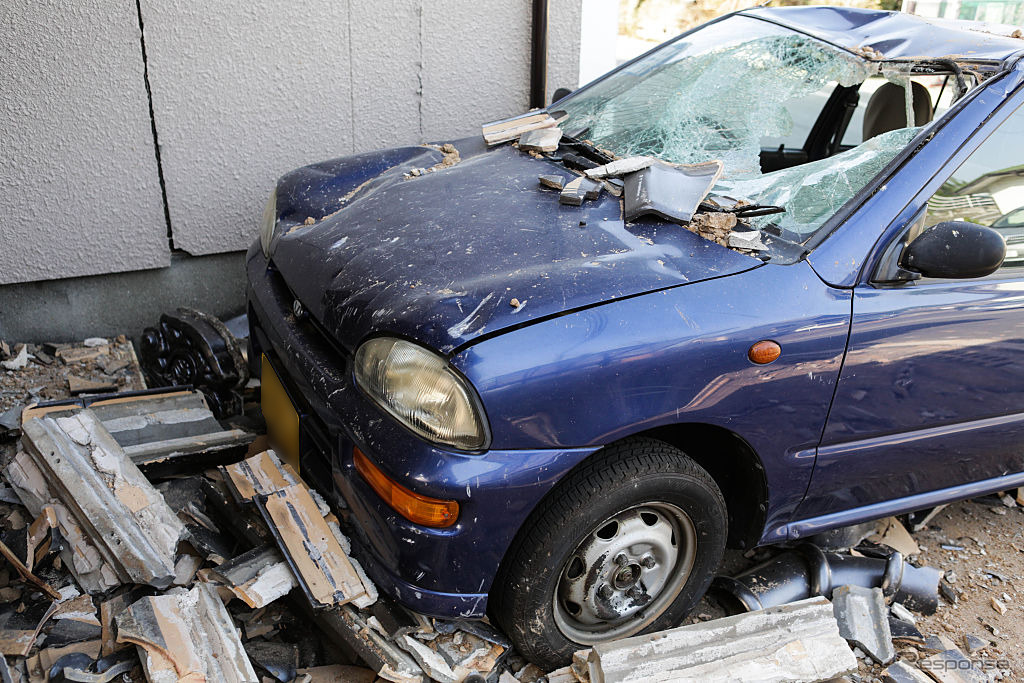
(422, 391)
(269, 223)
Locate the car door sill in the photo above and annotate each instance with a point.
(814, 525)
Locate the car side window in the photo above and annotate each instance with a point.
(988, 189)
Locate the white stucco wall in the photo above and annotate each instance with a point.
(79, 190)
(246, 90)
(243, 91)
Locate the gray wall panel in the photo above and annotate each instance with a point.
(79, 190)
(243, 91)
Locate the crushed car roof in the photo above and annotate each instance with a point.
(897, 35)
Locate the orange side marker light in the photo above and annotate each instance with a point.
(764, 352)
(416, 508)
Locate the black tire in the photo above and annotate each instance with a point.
(619, 480)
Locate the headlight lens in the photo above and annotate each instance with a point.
(422, 391)
(269, 223)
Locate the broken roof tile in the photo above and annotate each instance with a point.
(186, 635)
(671, 192)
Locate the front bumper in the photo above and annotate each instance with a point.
(441, 572)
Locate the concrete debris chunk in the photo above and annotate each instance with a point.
(186, 635)
(502, 131)
(863, 620)
(901, 672)
(540, 140)
(18, 362)
(973, 643)
(85, 473)
(257, 577)
(620, 167)
(433, 664)
(797, 641)
(555, 182)
(747, 239)
(998, 606)
(321, 567)
(670, 192)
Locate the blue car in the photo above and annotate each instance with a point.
(547, 414)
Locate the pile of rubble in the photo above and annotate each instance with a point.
(147, 540)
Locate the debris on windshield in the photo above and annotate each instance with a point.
(579, 189)
(555, 182)
(540, 140)
(502, 131)
(714, 226)
(672, 192)
(868, 52)
(620, 167)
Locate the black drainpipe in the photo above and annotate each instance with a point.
(539, 55)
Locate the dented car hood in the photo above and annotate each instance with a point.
(447, 256)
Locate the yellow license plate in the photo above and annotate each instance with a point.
(281, 416)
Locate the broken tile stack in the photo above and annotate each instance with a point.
(145, 539)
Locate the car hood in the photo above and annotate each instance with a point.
(446, 256)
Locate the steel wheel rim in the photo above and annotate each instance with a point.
(625, 573)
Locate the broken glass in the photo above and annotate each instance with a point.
(812, 192)
(710, 95)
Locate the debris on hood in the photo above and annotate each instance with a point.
(671, 192)
(196, 349)
(450, 158)
(540, 140)
(510, 129)
(186, 635)
(578, 189)
(555, 182)
(620, 167)
(799, 641)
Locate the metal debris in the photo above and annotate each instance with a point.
(799, 641)
(86, 473)
(792, 576)
(186, 635)
(670, 192)
(192, 348)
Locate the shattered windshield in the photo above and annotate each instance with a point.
(720, 93)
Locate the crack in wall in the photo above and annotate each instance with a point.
(152, 121)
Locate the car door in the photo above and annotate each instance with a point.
(930, 400)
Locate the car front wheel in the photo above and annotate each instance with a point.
(626, 544)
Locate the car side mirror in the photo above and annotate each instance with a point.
(955, 249)
(559, 94)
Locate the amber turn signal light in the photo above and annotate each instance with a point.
(432, 512)
(764, 352)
